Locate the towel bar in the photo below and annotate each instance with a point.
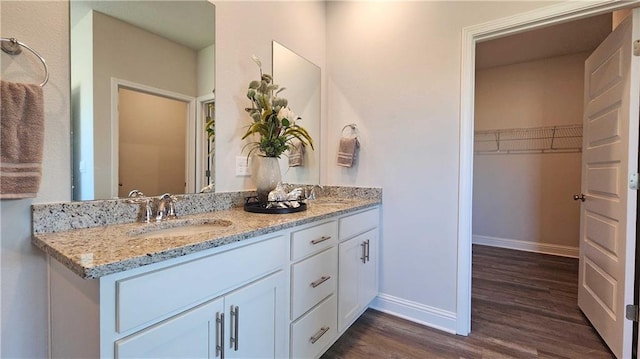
(12, 47)
(353, 127)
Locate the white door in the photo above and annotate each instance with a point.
(608, 215)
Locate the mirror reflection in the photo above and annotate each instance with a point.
(142, 79)
(301, 78)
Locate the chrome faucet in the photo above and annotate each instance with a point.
(166, 207)
(311, 193)
(146, 211)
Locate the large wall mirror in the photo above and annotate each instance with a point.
(142, 89)
(302, 79)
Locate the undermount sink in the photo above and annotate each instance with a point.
(178, 227)
(331, 200)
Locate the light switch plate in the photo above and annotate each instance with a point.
(242, 166)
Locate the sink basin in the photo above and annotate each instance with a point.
(331, 201)
(175, 228)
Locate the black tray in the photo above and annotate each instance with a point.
(252, 205)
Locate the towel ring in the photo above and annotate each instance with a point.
(353, 127)
(12, 47)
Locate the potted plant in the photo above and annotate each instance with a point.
(273, 130)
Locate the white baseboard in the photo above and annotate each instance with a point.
(554, 249)
(416, 312)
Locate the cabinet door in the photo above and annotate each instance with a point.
(256, 320)
(368, 273)
(191, 334)
(358, 278)
(350, 254)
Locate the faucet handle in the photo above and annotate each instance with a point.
(135, 194)
(146, 212)
(166, 207)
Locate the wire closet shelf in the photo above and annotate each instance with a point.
(549, 139)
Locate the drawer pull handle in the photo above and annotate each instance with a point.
(318, 335)
(220, 337)
(363, 258)
(235, 313)
(323, 279)
(367, 246)
(321, 239)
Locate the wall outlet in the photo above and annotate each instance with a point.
(242, 166)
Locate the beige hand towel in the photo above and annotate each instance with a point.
(348, 151)
(21, 139)
(296, 154)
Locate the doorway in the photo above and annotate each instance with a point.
(154, 142)
(542, 18)
(151, 141)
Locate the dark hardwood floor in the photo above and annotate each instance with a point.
(523, 306)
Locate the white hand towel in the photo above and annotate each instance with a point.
(348, 151)
(21, 139)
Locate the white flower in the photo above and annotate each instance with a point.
(286, 112)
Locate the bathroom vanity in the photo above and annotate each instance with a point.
(221, 284)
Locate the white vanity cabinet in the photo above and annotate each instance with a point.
(334, 277)
(213, 304)
(314, 277)
(239, 325)
(358, 265)
(288, 294)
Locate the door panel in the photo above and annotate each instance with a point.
(187, 335)
(607, 217)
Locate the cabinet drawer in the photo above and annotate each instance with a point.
(358, 223)
(315, 331)
(150, 296)
(313, 239)
(313, 280)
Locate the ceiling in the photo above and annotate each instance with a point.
(190, 23)
(558, 40)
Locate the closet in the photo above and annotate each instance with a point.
(529, 93)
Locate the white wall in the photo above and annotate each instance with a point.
(527, 198)
(244, 29)
(23, 281)
(394, 69)
(205, 74)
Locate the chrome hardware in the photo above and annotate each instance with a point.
(235, 313)
(580, 197)
(364, 252)
(318, 335)
(220, 337)
(146, 211)
(366, 244)
(135, 194)
(321, 239)
(320, 281)
(166, 207)
(12, 47)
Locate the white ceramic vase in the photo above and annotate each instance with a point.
(266, 175)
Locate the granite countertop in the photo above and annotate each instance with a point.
(99, 251)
